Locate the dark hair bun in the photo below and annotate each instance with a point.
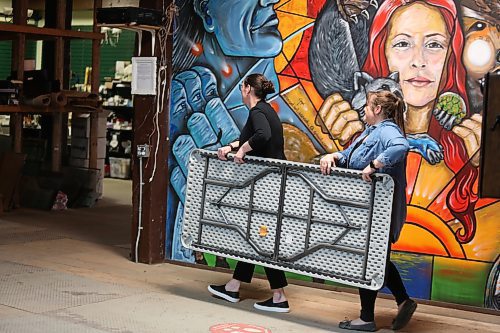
(268, 87)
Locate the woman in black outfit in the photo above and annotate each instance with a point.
(261, 136)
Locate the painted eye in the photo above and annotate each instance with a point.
(477, 26)
(196, 98)
(435, 45)
(180, 108)
(402, 44)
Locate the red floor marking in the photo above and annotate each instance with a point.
(238, 328)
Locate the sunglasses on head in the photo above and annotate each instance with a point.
(386, 87)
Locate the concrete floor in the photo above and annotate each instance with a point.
(69, 272)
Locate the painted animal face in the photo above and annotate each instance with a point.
(364, 84)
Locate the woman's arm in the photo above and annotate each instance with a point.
(395, 152)
(223, 151)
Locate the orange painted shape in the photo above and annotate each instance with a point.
(286, 82)
(437, 228)
(418, 240)
(197, 49)
(280, 3)
(313, 94)
(439, 207)
(430, 182)
(485, 202)
(412, 166)
(238, 328)
(290, 23)
(486, 241)
(295, 6)
(280, 63)
(291, 46)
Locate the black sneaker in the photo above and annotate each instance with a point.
(269, 305)
(220, 291)
(404, 315)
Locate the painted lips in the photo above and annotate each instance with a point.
(270, 22)
(419, 81)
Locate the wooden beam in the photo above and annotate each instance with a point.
(20, 11)
(39, 33)
(94, 118)
(154, 205)
(57, 117)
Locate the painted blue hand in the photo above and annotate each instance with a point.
(205, 123)
(426, 146)
(199, 119)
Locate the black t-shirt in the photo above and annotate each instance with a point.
(264, 132)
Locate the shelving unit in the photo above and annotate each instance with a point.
(23, 108)
(9, 30)
(19, 32)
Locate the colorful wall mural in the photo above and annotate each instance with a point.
(321, 53)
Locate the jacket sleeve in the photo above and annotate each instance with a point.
(396, 146)
(262, 130)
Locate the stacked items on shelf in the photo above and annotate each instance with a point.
(120, 142)
(81, 142)
(118, 100)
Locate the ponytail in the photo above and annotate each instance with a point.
(393, 106)
(260, 84)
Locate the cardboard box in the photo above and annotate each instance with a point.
(80, 125)
(80, 148)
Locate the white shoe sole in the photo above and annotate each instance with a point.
(271, 309)
(223, 296)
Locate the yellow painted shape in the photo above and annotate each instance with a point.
(291, 46)
(280, 63)
(295, 6)
(416, 239)
(290, 23)
(430, 182)
(312, 93)
(434, 228)
(289, 49)
(302, 106)
(486, 242)
(280, 4)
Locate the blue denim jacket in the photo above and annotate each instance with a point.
(386, 143)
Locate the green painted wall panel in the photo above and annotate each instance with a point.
(459, 281)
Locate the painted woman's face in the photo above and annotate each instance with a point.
(417, 47)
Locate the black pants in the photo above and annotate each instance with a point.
(395, 284)
(244, 273)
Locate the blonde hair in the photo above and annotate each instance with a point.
(393, 107)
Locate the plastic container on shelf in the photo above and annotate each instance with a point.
(119, 167)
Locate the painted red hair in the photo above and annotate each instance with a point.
(462, 197)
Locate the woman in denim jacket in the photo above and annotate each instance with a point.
(382, 147)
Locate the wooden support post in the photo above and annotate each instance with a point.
(20, 11)
(94, 118)
(154, 203)
(57, 118)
